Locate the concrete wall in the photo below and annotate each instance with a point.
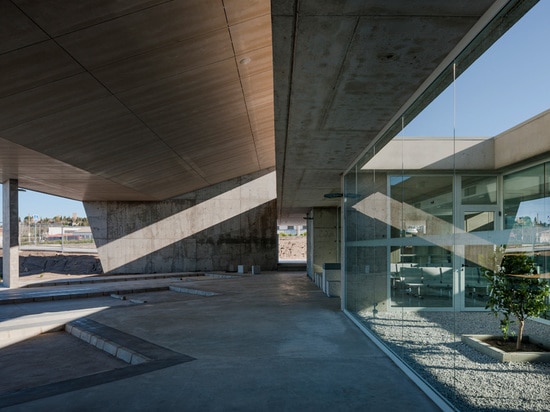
(323, 237)
(213, 229)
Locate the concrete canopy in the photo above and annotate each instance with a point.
(134, 99)
(149, 99)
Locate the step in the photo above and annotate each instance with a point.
(292, 267)
(110, 278)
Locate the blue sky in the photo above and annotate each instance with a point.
(537, 208)
(506, 86)
(34, 203)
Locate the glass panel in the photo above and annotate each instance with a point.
(527, 216)
(425, 203)
(524, 202)
(479, 190)
(366, 261)
(422, 284)
(479, 221)
(407, 244)
(422, 211)
(543, 257)
(351, 236)
(479, 256)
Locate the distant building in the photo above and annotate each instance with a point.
(291, 230)
(69, 233)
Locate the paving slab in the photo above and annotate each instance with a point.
(38, 355)
(271, 342)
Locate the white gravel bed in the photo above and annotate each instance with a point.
(429, 342)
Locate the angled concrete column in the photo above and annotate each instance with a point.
(211, 229)
(10, 245)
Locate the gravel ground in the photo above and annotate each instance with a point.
(430, 343)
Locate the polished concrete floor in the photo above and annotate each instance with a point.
(270, 342)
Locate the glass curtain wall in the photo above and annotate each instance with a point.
(366, 262)
(428, 213)
(421, 268)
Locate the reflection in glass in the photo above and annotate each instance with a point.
(424, 205)
(366, 261)
(421, 269)
(527, 214)
(523, 192)
(479, 256)
(479, 190)
(438, 210)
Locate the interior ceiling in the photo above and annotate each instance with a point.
(151, 99)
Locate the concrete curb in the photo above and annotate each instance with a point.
(112, 348)
(476, 342)
(179, 289)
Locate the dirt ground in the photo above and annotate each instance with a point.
(292, 247)
(43, 263)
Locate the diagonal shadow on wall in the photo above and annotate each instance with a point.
(212, 229)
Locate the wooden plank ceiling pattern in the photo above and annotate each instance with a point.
(134, 99)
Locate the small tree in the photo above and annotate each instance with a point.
(516, 290)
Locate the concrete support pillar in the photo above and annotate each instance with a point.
(323, 238)
(309, 237)
(10, 239)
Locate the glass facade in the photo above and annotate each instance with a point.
(426, 218)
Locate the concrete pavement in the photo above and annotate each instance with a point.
(270, 342)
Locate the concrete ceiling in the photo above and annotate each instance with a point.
(151, 99)
(342, 70)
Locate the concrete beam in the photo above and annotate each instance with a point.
(431, 153)
(524, 141)
(10, 235)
